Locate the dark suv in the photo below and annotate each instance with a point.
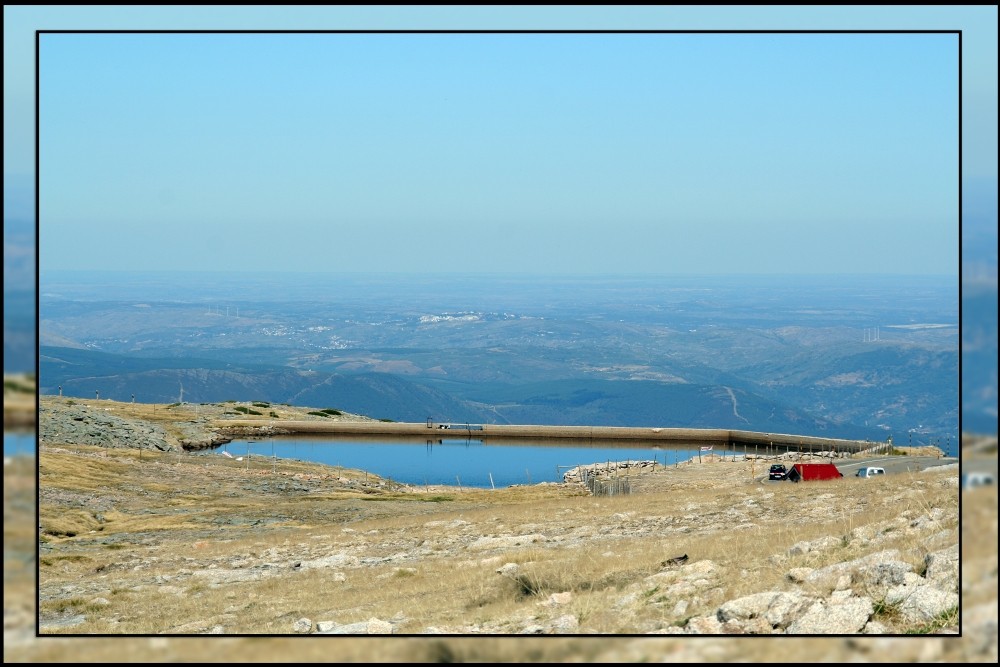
(778, 471)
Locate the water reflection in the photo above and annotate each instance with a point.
(473, 462)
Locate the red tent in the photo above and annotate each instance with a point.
(813, 471)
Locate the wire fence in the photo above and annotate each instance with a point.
(615, 486)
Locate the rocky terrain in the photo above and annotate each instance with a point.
(143, 539)
(19, 404)
(172, 427)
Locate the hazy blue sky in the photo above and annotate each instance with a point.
(539, 153)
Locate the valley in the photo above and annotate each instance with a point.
(848, 356)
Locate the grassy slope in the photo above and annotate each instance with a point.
(171, 510)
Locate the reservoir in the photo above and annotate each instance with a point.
(468, 462)
(19, 443)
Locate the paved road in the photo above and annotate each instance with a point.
(895, 464)
(901, 464)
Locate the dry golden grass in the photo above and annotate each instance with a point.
(19, 401)
(172, 507)
(171, 416)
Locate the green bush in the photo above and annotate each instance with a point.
(12, 385)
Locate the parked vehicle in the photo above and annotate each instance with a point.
(869, 472)
(971, 480)
(777, 471)
(813, 471)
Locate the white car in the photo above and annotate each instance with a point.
(869, 472)
(971, 480)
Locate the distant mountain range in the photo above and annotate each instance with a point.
(757, 353)
(87, 373)
(979, 359)
(18, 293)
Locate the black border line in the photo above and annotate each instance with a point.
(40, 32)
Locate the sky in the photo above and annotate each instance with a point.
(526, 153)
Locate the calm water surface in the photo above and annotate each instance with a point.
(452, 462)
(19, 442)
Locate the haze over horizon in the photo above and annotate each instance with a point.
(554, 153)
(540, 153)
(670, 154)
